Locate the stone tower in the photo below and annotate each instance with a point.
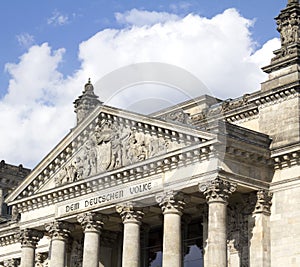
(86, 103)
(280, 119)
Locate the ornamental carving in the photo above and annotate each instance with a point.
(110, 146)
(264, 202)
(217, 190)
(41, 260)
(172, 202)
(11, 263)
(129, 214)
(177, 116)
(30, 237)
(59, 230)
(91, 222)
(288, 27)
(76, 253)
(237, 231)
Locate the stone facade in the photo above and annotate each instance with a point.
(204, 183)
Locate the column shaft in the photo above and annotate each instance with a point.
(217, 192)
(131, 241)
(172, 204)
(217, 235)
(28, 257)
(91, 250)
(59, 233)
(131, 245)
(92, 224)
(58, 253)
(172, 240)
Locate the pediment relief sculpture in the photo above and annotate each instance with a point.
(111, 146)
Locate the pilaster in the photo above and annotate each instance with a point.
(260, 243)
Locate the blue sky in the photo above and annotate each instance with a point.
(50, 48)
(82, 19)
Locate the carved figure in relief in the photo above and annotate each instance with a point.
(112, 146)
(76, 253)
(89, 159)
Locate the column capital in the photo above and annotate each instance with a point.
(171, 202)
(129, 214)
(30, 237)
(217, 190)
(91, 222)
(59, 230)
(263, 203)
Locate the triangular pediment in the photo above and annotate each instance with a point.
(106, 141)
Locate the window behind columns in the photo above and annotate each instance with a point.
(192, 245)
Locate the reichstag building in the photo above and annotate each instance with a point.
(204, 183)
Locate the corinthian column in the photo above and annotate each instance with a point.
(217, 192)
(260, 240)
(29, 239)
(59, 233)
(92, 224)
(131, 243)
(172, 205)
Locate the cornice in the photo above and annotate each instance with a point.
(286, 157)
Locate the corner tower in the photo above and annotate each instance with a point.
(86, 103)
(279, 95)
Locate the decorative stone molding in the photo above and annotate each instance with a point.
(286, 160)
(41, 260)
(274, 98)
(12, 263)
(30, 237)
(177, 116)
(91, 222)
(264, 202)
(288, 25)
(59, 230)
(9, 239)
(129, 214)
(217, 190)
(238, 228)
(76, 253)
(172, 202)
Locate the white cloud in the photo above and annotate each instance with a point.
(25, 39)
(180, 6)
(58, 19)
(142, 17)
(37, 110)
